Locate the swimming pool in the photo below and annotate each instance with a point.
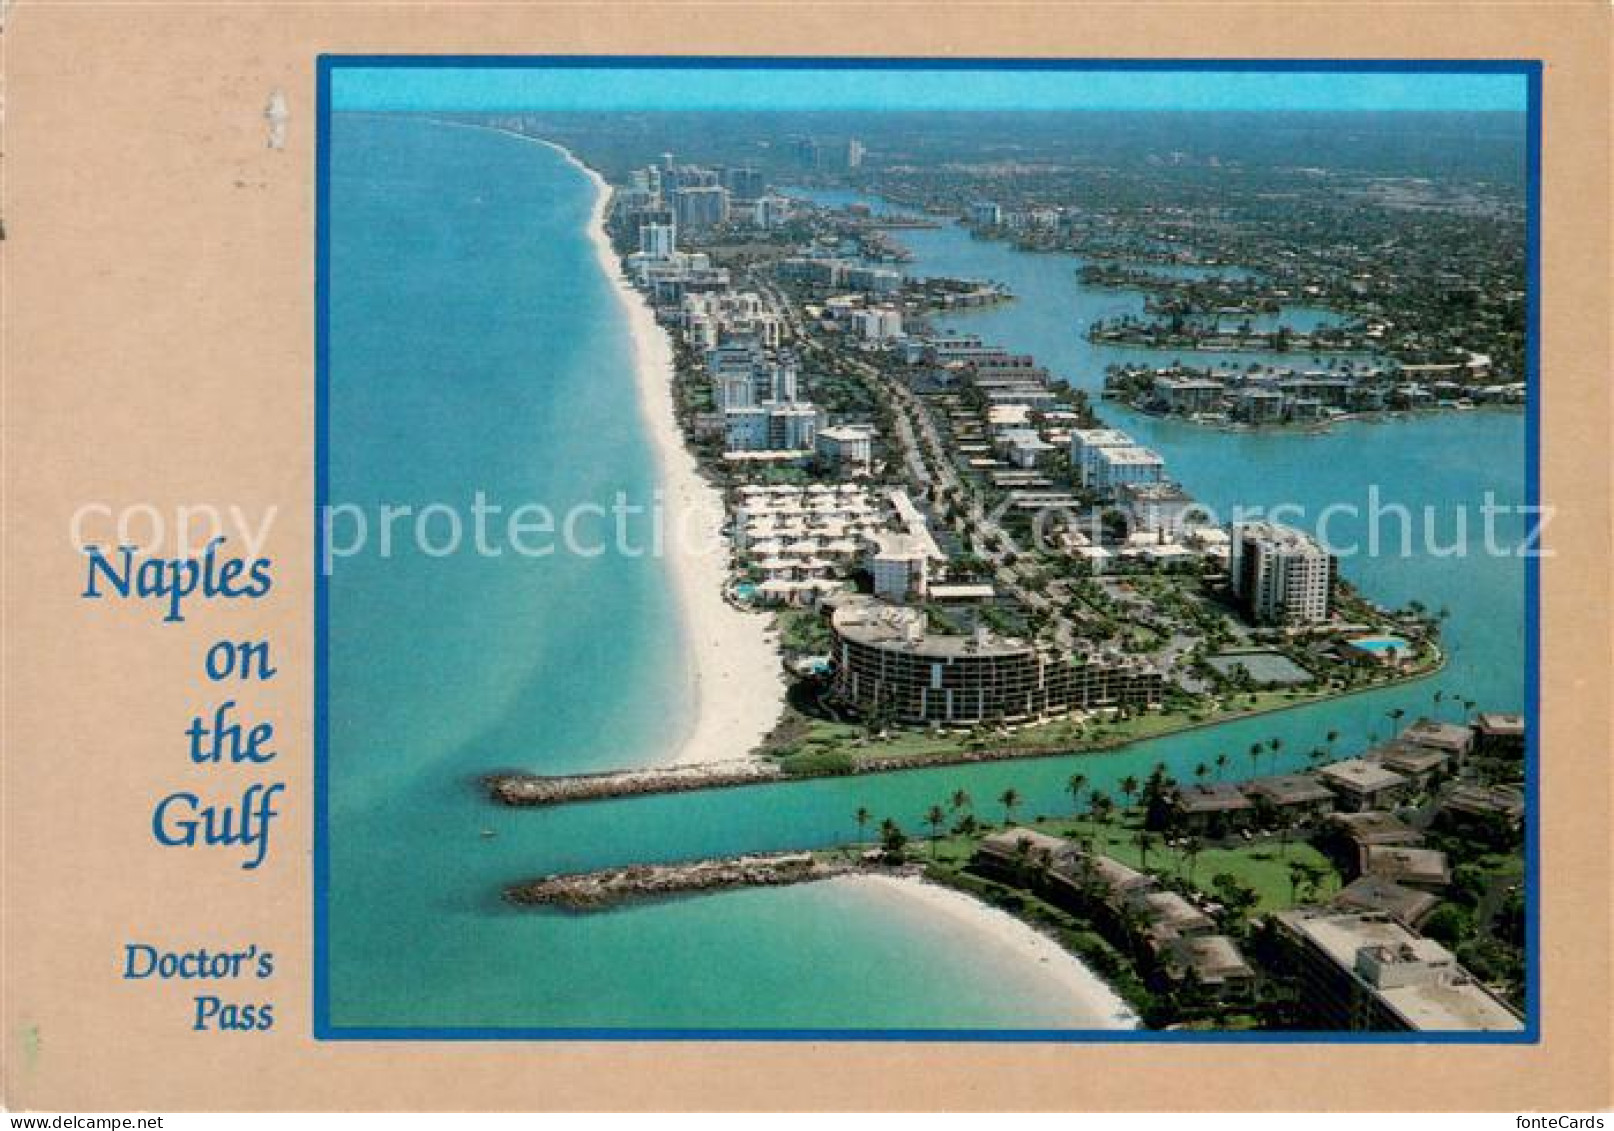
(1378, 644)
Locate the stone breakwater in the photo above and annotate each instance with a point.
(611, 887)
(523, 789)
(527, 790)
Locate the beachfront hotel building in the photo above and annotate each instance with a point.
(1281, 575)
(888, 664)
(1365, 971)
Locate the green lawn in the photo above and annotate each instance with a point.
(1263, 864)
(821, 737)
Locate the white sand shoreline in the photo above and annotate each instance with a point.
(1092, 1003)
(735, 679)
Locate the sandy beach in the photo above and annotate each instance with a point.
(736, 681)
(1091, 1003)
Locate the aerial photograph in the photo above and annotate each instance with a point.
(841, 549)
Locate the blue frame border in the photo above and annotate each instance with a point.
(1531, 70)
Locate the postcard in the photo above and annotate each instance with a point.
(975, 563)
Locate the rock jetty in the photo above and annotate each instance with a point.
(598, 891)
(537, 789)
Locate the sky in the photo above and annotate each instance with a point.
(542, 85)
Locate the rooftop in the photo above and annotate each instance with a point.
(1009, 842)
(1491, 723)
(1376, 827)
(1212, 958)
(1130, 455)
(1408, 758)
(1101, 437)
(1211, 797)
(1375, 893)
(1284, 537)
(1449, 737)
(1438, 994)
(1117, 876)
(1403, 864)
(893, 547)
(1289, 789)
(1169, 909)
(847, 432)
(894, 626)
(1487, 801)
(1154, 493)
(1360, 776)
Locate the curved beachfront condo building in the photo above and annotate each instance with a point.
(887, 664)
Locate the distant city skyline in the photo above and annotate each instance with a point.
(739, 85)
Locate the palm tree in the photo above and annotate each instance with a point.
(1145, 840)
(1297, 872)
(892, 838)
(1190, 850)
(1221, 765)
(961, 800)
(1306, 877)
(1201, 771)
(935, 817)
(1275, 745)
(1129, 788)
(1286, 826)
(1100, 807)
(862, 817)
(1255, 757)
(1074, 786)
(1394, 716)
(1010, 800)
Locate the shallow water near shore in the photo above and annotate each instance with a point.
(475, 342)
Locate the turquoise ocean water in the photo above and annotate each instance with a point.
(476, 345)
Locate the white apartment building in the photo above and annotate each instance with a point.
(1281, 575)
(1115, 467)
(734, 390)
(792, 426)
(658, 241)
(848, 447)
(1086, 443)
(1023, 447)
(745, 428)
(1155, 508)
(877, 325)
(772, 426)
(900, 568)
